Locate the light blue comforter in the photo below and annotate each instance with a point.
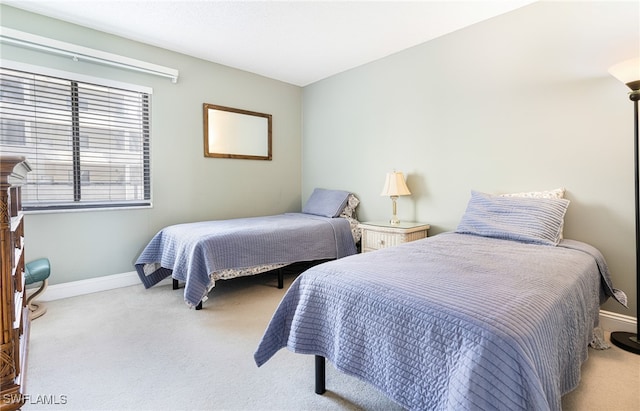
(454, 321)
(191, 252)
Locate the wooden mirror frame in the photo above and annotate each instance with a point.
(240, 133)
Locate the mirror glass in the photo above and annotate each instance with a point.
(235, 133)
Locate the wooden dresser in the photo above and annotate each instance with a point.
(15, 314)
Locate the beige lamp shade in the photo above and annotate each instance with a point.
(395, 185)
(628, 72)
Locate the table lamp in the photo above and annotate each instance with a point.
(394, 186)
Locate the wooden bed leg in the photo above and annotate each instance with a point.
(199, 306)
(280, 278)
(320, 374)
(175, 284)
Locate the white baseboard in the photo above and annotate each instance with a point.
(88, 286)
(92, 285)
(609, 321)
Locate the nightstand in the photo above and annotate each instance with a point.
(381, 234)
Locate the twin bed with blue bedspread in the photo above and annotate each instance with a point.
(496, 315)
(200, 253)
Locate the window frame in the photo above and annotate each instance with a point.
(72, 206)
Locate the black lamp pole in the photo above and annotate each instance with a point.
(629, 341)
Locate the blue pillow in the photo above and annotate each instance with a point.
(326, 203)
(530, 220)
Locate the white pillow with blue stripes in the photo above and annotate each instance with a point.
(529, 220)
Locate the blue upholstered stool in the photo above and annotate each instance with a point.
(36, 271)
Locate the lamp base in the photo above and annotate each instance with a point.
(626, 341)
(394, 218)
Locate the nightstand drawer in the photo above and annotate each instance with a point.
(380, 235)
(374, 240)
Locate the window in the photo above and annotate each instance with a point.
(88, 144)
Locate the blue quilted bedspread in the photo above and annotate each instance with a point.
(453, 322)
(190, 252)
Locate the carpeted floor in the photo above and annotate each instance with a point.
(137, 349)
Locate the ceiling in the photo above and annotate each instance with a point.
(297, 42)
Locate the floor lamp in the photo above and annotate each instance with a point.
(629, 73)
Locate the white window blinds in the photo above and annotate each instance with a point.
(88, 144)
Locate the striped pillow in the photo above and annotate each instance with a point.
(326, 203)
(529, 220)
(557, 193)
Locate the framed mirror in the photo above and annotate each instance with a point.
(235, 133)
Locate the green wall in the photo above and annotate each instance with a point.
(520, 102)
(186, 186)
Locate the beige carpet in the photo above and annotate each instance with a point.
(137, 349)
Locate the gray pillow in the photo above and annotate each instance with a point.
(529, 220)
(326, 203)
